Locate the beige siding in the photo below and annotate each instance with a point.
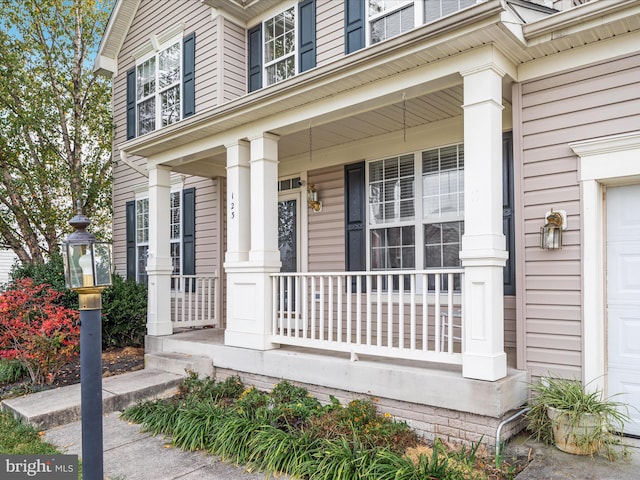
(235, 64)
(595, 101)
(510, 322)
(329, 31)
(196, 18)
(326, 228)
(7, 260)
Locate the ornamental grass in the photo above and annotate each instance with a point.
(289, 431)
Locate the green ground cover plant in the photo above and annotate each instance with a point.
(287, 430)
(17, 438)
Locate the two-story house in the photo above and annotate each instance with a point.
(352, 192)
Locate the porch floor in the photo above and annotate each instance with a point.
(422, 383)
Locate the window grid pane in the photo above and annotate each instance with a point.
(170, 106)
(392, 190)
(393, 248)
(393, 24)
(443, 183)
(435, 9)
(174, 221)
(146, 78)
(142, 220)
(280, 46)
(169, 66)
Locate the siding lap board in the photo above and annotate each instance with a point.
(589, 102)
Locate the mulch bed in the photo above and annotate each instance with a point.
(114, 362)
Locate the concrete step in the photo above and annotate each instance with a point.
(61, 406)
(179, 363)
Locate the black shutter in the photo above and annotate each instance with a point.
(508, 222)
(188, 75)
(307, 35)
(131, 239)
(354, 18)
(254, 41)
(189, 233)
(131, 104)
(354, 219)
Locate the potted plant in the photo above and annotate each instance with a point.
(565, 413)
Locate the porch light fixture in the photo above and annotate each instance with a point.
(551, 232)
(87, 270)
(312, 198)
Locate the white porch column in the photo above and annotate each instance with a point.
(483, 252)
(238, 202)
(264, 201)
(249, 299)
(159, 265)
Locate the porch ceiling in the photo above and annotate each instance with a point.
(295, 141)
(422, 59)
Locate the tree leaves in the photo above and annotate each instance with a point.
(55, 121)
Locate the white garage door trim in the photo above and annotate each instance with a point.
(605, 161)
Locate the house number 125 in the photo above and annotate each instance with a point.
(232, 206)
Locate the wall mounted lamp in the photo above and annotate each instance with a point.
(551, 232)
(312, 198)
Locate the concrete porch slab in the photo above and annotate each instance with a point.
(439, 386)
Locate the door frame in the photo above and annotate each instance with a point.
(604, 161)
(299, 194)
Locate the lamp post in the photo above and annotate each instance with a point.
(87, 268)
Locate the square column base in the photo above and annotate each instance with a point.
(249, 306)
(484, 367)
(157, 329)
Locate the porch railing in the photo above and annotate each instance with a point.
(193, 300)
(401, 314)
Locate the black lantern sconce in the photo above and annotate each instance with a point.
(551, 232)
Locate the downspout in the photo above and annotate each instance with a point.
(503, 423)
(124, 157)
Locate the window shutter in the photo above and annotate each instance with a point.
(189, 233)
(508, 221)
(188, 75)
(307, 35)
(131, 239)
(355, 17)
(254, 40)
(355, 229)
(131, 104)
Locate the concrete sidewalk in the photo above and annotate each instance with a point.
(130, 454)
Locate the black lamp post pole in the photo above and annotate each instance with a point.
(91, 392)
(90, 306)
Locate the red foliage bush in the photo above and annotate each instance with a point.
(36, 331)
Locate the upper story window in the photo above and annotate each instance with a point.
(388, 18)
(435, 9)
(161, 87)
(282, 45)
(371, 21)
(158, 89)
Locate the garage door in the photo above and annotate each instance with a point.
(623, 297)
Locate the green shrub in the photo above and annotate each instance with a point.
(124, 313)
